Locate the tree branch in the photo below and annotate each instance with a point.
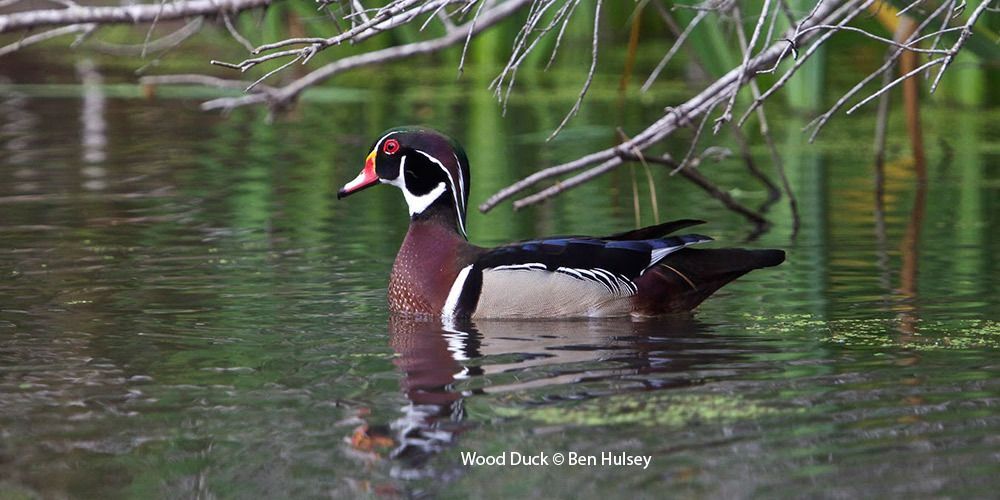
(825, 13)
(130, 14)
(285, 95)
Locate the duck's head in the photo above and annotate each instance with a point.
(429, 167)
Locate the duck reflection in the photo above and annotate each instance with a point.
(445, 363)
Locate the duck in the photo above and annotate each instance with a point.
(438, 273)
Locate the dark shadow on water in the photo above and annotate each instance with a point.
(440, 365)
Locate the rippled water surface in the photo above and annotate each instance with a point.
(186, 310)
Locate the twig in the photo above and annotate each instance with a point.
(886, 41)
(562, 30)
(273, 71)
(694, 141)
(193, 79)
(152, 26)
(908, 7)
(590, 74)
(727, 114)
(288, 93)
(43, 36)
(468, 38)
(773, 193)
(673, 49)
(881, 125)
(962, 38)
(693, 174)
(161, 44)
(821, 120)
(607, 159)
(801, 60)
(765, 132)
(922, 67)
(236, 34)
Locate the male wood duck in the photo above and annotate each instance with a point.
(437, 272)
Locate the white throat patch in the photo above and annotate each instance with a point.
(416, 204)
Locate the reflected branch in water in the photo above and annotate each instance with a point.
(881, 126)
(910, 250)
(93, 130)
(910, 247)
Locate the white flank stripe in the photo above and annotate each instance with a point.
(456, 292)
(607, 278)
(616, 284)
(521, 267)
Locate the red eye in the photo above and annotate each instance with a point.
(391, 146)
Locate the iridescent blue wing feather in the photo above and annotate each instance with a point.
(627, 259)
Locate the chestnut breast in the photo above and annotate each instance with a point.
(425, 269)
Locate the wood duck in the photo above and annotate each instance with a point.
(437, 272)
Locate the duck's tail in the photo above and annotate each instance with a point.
(685, 278)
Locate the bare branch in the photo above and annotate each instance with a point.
(236, 34)
(130, 14)
(43, 36)
(928, 64)
(962, 38)
(152, 26)
(886, 41)
(673, 49)
(694, 142)
(161, 44)
(908, 7)
(290, 92)
(727, 114)
(590, 75)
(821, 120)
(798, 63)
(776, 161)
(694, 175)
(208, 81)
(826, 12)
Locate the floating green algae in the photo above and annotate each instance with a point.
(665, 409)
(902, 331)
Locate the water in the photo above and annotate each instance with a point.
(186, 310)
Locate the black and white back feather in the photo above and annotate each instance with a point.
(614, 264)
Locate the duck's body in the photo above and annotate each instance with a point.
(437, 272)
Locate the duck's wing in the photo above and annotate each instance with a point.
(558, 276)
(653, 232)
(625, 257)
(645, 233)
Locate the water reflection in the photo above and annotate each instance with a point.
(93, 127)
(444, 364)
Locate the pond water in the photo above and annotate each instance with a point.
(187, 311)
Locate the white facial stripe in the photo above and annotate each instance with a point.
(459, 196)
(456, 292)
(379, 143)
(461, 178)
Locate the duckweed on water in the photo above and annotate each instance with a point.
(672, 410)
(881, 332)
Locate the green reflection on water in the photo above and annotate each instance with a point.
(212, 321)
